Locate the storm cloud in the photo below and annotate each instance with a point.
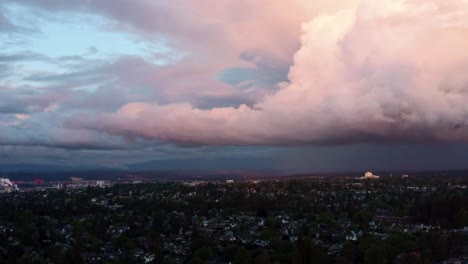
(90, 78)
(393, 71)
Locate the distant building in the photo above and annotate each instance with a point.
(7, 186)
(75, 179)
(369, 175)
(405, 176)
(229, 181)
(103, 184)
(393, 219)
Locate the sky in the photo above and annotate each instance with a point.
(296, 85)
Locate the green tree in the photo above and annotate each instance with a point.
(242, 256)
(376, 255)
(262, 258)
(203, 253)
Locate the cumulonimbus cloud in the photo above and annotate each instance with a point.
(382, 71)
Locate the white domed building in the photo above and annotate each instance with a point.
(370, 175)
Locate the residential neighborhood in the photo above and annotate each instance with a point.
(309, 220)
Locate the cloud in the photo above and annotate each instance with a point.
(213, 34)
(392, 71)
(25, 100)
(26, 55)
(5, 24)
(210, 41)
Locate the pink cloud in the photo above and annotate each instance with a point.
(392, 71)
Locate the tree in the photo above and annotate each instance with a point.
(303, 245)
(262, 258)
(157, 247)
(242, 256)
(196, 240)
(462, 218)
(230, 252)
(376, 255)
(203, 253)
(123, 242)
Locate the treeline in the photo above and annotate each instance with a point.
(449, 211)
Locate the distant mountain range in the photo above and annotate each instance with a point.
(205, 164)
(30, 167)
(153, 165)
(200, 167)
